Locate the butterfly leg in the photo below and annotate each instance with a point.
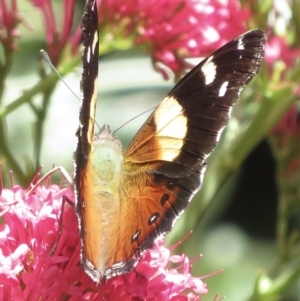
(65, 200)
(50, 173)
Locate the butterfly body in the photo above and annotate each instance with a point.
(124, 201)
(103, 175)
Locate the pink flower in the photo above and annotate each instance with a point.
(29, 272)
(173, 30)
(169, 30)
(9, 21)
(277, 49)
(285, 138)
(56, 39)
(289, 124)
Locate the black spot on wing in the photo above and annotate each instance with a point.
(183, 189)
(164, 199)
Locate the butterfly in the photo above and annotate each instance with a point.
(124, 201)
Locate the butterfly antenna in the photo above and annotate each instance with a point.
(135, 117)
(47, 59)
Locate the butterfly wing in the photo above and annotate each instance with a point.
(84, 199)
(186, 126)
(166, 161)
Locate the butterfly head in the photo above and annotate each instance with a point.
(106, 135)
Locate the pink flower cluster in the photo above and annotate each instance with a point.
(56, 39)
(289, 125)
(173, 30)
(169, 31)
(278, 49)
(9, 20)
(28, 270)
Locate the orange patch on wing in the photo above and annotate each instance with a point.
(140, 200)
(90, 211)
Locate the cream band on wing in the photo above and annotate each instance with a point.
(171, 128)
(92, 113)
(209, 71)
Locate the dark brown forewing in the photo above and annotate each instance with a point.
(89, 76)
(85, 131)
(206, 95)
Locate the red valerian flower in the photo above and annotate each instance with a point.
(28, 270)
(56, 40)
(172, 30)
(169, 31)
(277, 48)
(9, 20)
(285, 138)
(289, 125)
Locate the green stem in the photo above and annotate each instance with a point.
(282, 220)
(46, 84)
(41, 117)
(267, 289)
(7, 157)
(41, 86)
(5, 68)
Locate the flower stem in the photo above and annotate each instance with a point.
(45, 86)
(41, 86)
